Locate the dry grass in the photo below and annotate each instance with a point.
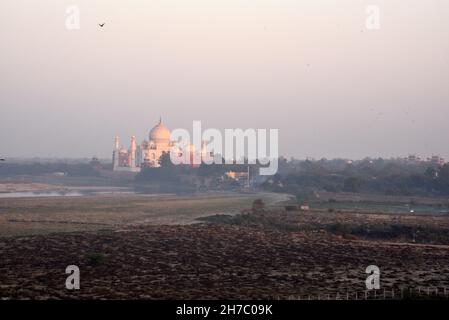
(25, 216)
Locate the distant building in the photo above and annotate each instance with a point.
(236, 175)
(413, 158)
(148, 153)
(435, 159)
(241, 177)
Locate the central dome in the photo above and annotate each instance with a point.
(160, 133)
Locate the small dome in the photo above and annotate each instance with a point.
(160, 133)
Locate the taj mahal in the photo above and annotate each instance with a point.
(148, 153)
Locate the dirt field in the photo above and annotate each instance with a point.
(153, 247)
(209, 262)
(25, 216)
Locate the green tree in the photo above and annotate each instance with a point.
(352, 184)
(165, 161)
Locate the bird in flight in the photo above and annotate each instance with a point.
(2, 159)
(101, 24)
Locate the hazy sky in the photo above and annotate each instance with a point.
(307, 67)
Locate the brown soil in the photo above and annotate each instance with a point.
(209, 262)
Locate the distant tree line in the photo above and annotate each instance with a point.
(37, 169)
(299, 177)
(390, 177)
(302, 178)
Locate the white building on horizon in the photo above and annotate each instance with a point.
(146, 154)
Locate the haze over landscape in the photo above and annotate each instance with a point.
(101, 200)
(309, 68)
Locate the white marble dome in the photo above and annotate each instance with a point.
(160, 133)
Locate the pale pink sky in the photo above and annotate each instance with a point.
(307, 67)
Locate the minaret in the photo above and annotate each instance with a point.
(117, 143)
(133, 152)
(115, 153)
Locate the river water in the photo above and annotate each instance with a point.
(74, 193)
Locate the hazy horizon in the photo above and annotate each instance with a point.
(308, 68)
